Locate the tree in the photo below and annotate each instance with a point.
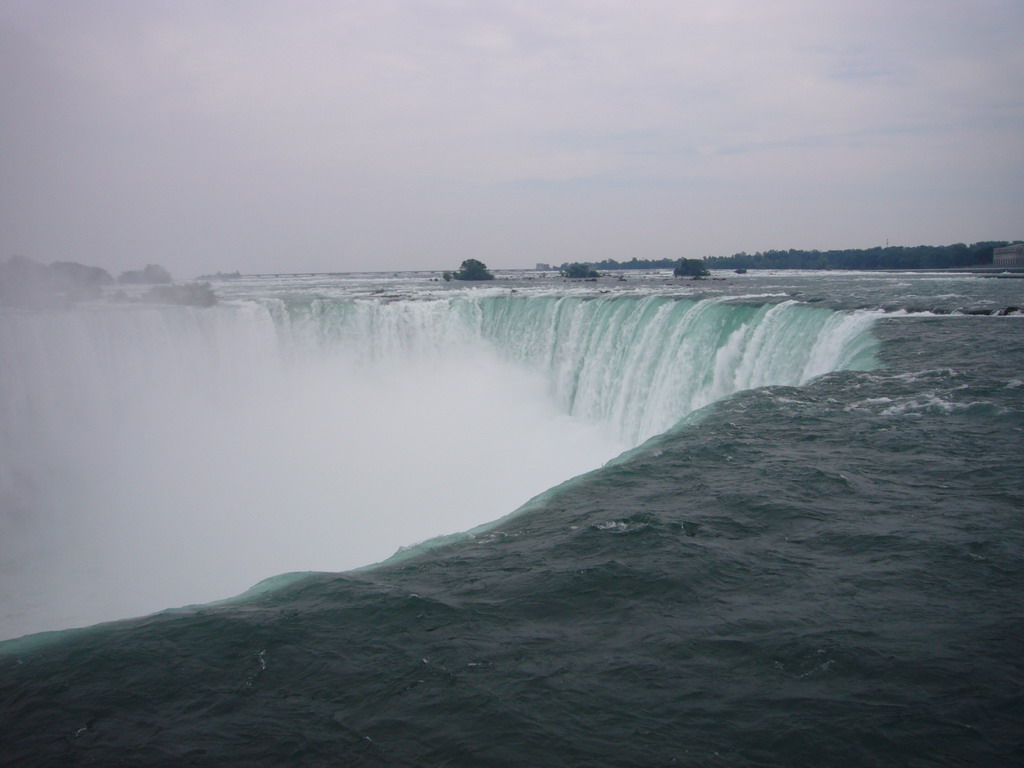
(691, 268)
(472, 269)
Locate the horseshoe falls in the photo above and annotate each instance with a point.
(769, 519)
(168, 455)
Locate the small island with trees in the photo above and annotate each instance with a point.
(693, 268)
(577, 271)
(471, 269)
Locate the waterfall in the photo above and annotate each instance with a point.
(153, 456)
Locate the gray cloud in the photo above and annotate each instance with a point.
(390, 135)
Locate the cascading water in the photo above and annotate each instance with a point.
(639, 365)
(158, 456)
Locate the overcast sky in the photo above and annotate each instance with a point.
(411, 134)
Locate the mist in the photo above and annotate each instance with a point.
(159, 457)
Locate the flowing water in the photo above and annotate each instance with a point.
(804, 546)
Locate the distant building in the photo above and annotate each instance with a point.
(1008, 256)
(542, 266)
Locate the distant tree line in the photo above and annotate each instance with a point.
(25, 283)
(890, 257)
(634, 263)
